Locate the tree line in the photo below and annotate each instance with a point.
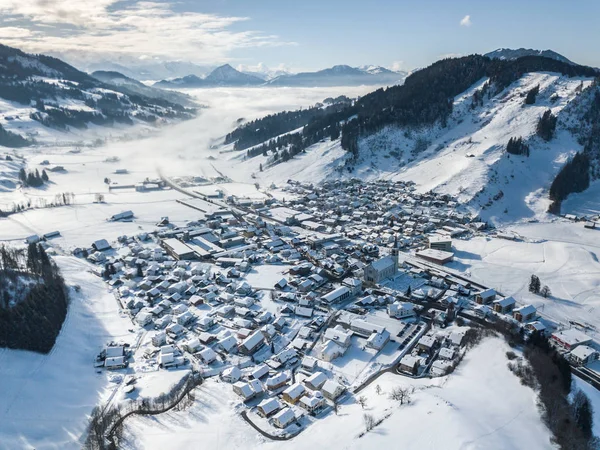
(33, 178)
(30, 317)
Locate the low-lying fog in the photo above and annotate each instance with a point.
(183, 149)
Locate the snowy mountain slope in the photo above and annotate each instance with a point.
(135, 87)
(38, 91)
(509, 53)
(467, 158)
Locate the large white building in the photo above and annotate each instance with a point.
(381, 269)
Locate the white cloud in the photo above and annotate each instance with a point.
(104, 28)
(466, 21)
(397, 66)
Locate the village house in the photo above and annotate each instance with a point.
(252, 343)
(525, 313)
(293, 393)
(409, 364)
(485, 297)
(583, 355)
(308, 364)
(244, 390)
(504, 305)
(339, 335)
(332, 390)
(426, 343)
(378, 340)
(401, 310)
(277, 381)
(315, 381)
(268, 407)
(284, 418)
(312, 404)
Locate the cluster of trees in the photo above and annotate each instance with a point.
(573, 177)
(480, 95)
(517, 146)
(571, 423)
(546, 125)
(535, 287)
(34, 178)
(425, 97)
(532, 94)
(30, 317)
(12, 140)
(60, 118)
(261, 130)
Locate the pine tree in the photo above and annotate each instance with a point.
(45, 176)
(531, 95)
(545, 292)
(546, 125)
(534, 284)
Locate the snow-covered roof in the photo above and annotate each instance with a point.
(335, 294)
(332, 387)
(232, 373)
(260, 371)
(285, 416)
(253, 340)
(269, 405)
(572, 337)
(276, 379)
(526, 310)
(409, 361)
(295, 390)
(317, 379)
(583, 351)
(383, 263)
(504, 302)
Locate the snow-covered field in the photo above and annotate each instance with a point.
(563, 254)
(444, 413)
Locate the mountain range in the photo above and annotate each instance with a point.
(341, 75)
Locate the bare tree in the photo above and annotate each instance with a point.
(546, 292)
(378, 389)
(362, 401)
(369, 421)
(401, 395)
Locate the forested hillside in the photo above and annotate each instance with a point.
(59, 96)
(33, 299)
(424, 98)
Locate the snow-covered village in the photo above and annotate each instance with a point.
(219, 230)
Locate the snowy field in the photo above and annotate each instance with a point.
(563, 254)
(444, 413)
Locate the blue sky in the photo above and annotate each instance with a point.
(299, 35)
